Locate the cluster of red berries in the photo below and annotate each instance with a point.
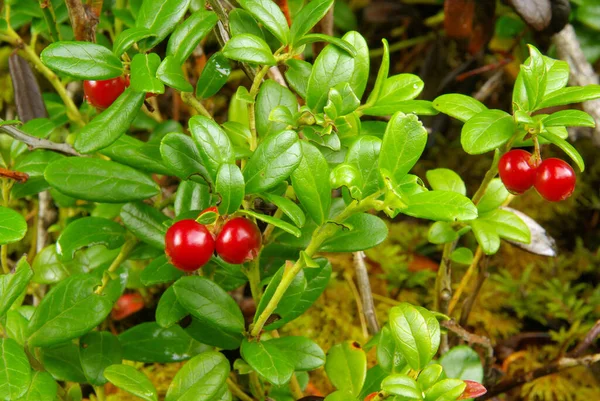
(189, 245)
(552, 178)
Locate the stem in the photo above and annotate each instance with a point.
(251, 115)
(191, 101)
(46, 6)
(37, 143)
(295, 388)
(269, 230)
(99, 390)
(364, 288)
(465, 280)
(121, 257)
(443, 282)
(253, 274)
(237, 391)
(394, 47)
(489, 176)
(4, 256)
(119, 4)
(28, 54)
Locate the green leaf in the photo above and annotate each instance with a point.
(396, 89)
(160, 271)
(271, 95)
(34, 165)
(214, 145)
(229, 184)
(557, 76)
(214, 75)
(441, 232)
(389, 356)
(382, 75)
(297, 75)
(508, 225)
(143, 73)
(109, 125)
(319, 37)
(461, 107)
(573, 94)
(191, 196)
(150, 343)
(288, 207)
(287, 227)
(62, 362)
(180, 153)
(403, 143)
(98, 180)
(402, 385)
(444, 179)
(341, 101)
(209, 303)
(12, 226)
(273, 161)
(160, 17)
(13, 285)
(268, 13)
(128, 37)
(147, 223)
(42, 388)
(417, 333)
(486, 236)
(169, 311)
(366, 232)
(346, 367)
(276, 359)
(133, 381)
(250, 49)
(463, 256)
(487, 131)
(15, 371)
(15, 324)
(89, 231)
(346, 175)
(97, 351)
(308, 17)
(445, 390)
(494, 196)
(535, 78)
(69, 310)
(441, 206)
(214, 336)
(341, 396)
(291, 296)
(462, 362)
(82, 60)
(566, 147)
(364, 155)
(430, 375)
(169, 72)
(569, 118)
(188, 35)
(201, 378)
(311, 183)
(135, 153)
(334, 66)
(241, 21)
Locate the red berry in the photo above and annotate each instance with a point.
(102, 94)
(517, 171)
(239, 241)
(127, 305)
(555, 180)
(189, 245)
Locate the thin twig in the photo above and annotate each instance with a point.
(587, 341)
(359, 305)
(37, 143)
(490, 86)
(83, 20)
(471, 338)
(366, 295)
(237, 391)
(470, 301)
(191, 101)
(14, 175)
(465, 280)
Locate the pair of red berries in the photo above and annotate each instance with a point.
(190, 245)
(553, 179)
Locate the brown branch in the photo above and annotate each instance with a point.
(482, 275)
(84, 19)
(37, 143)
(366, 295)
(587, 341)
(14, 175)
(471, 338)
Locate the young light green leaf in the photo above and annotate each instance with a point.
(463, 256)
(382, 75)
(214, 145)
(82, 60)
(566, 147)
(389, 357)
(273, 161)
(440, 206)
(15, 371)
(403, 143)
(229, 184)
(287, 227)
(461, 107)
(169, 72)
(297, 75)
(13, 285)
(160, 17)
(288, 207)
(494, 196)
(308, 17)
(143, 73)
(444, 179)
(487, 131)
(402, 385)
(396, 90)
(534, 77)
(447, 389)
(486, 236)
(201, 378)
(346, 367)
(508, 225)
(270, 15)
(430, 375)
(188, 35)
(271, 95)
(250, 49)
(128, 37)
(214, 75)
(86, 232)
(99, 180)
(462, 362)
(441, 232)
(12, 226)
(145, 222)
(366, 232)
(569, 118)
(319, 37)
(364, 155)
(109, 125)
(133, 381)
(572, 94)
(97, 351)
(42, 388)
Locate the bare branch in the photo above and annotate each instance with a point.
(366, 295)
(37, 143)
(587, 341)
(84, 19)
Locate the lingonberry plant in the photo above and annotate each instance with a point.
(304, 143)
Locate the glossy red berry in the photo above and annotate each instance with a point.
(517, 171)
(102, 94)
(239, 241)
(555, 180)
(189, 245)
(127, 305)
